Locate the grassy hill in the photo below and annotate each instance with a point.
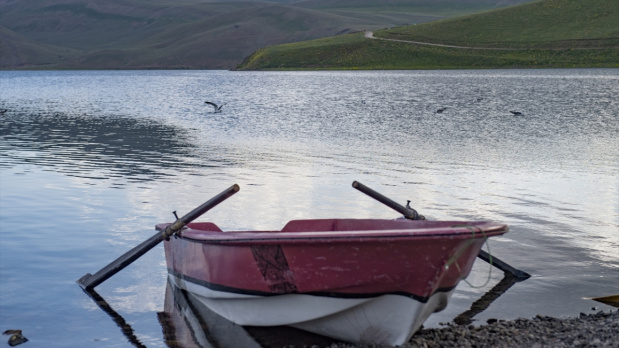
(543, 24)
(142, 34)
(546, 33)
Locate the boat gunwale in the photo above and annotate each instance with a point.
(459, 229)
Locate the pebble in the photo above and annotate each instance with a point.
(588, 330)
(16, 337)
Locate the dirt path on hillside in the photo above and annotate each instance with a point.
(370, 35)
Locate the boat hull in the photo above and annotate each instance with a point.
(386, 319)
(367, 281)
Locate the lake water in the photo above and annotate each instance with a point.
(91, 161)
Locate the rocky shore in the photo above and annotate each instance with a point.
(593, 330)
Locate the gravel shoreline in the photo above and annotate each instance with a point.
(592, 330)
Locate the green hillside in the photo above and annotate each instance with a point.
(546, 33)
(197, 34)
(543, 24)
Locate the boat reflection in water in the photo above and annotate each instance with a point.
(188, 323)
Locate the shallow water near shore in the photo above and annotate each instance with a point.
(91, 161)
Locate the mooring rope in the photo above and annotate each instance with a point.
(456, 256)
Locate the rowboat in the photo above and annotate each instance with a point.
(369, 281)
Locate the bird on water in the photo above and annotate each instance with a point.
(217, 107)
(517, 113)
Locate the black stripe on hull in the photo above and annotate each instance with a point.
(223, 288)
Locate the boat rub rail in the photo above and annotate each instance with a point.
(312, 230)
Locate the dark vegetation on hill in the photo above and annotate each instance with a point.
(539, 34)
(197, 34)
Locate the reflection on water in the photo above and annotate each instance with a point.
(125, 327)
(294, 141)
(186, 322)
(97, 147)
(486, 300)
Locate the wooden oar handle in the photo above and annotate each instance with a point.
(197, 212)
(89, 281)
(407, 212)
(412, 214)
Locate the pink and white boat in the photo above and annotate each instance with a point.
(358, 280)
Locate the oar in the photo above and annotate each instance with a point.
(493, 260)
(408, 213)
(89, 281)
(413, 215)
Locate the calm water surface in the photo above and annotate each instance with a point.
(90, 161)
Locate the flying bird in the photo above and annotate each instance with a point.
(517, 113)
(215, 106)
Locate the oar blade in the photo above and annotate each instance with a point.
(90, 281)
(494, 261)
